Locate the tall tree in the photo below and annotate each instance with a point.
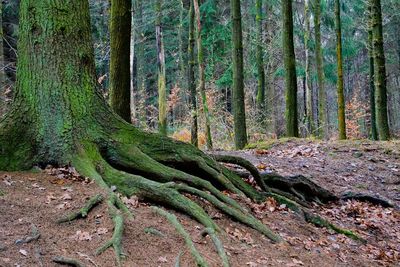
(191, 79)
(374, 133)
(340, 86)
(162, 88)
(202, 76)
(120, 42)
(292, 129)
(260, 60)
(308, 81)
(59, 117)
(239, 113)
(322, 112)
(382, 122)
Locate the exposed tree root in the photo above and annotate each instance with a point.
(179, 228)
(35, 235)
(83, 212)
(68, 261)
(218, 246)
(368, 198)
(116, 239)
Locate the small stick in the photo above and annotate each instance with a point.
(68, 261)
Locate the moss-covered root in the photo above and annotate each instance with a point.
(321, 222)
(218, 246)
(68, 261)
(116, 238)
(243, 217)
(244, 163)
(83, 212)
(179, 228)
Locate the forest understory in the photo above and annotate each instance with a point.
(31, 236)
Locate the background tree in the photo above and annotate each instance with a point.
(239, 113)
(202, 78)
(260, 60)
(379, 72)
(340, 86)
(191, 79)
(162, 89)
(290, 70)
(120, 78)
(374, 133)
(308, 76)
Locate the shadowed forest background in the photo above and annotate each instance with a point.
(267, 122)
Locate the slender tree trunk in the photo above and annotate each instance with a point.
(322, 112)
(382, 122)
(292, 129)
(191, 81)
(120, 42)
(180, 38)
(202, 76)
(340, 89)
(162, 89)
(308, 83)
(374, 132)
(140, 62)
(134, 84)
(260, 99)
(239, 113)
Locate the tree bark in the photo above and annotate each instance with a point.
(162, 89)
(202, 77)
(191, 79)
(290, 70)
(374, 132)
(382, 122)
(308, 83)
(120, 42)
(239, 112)
(322, 112)
(260, 99)
(340, 87)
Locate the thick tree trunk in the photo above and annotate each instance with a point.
(374, 132)
(308, 83)
(162, 89)
(260, 99)
(322, 112)
(202, 77)
(382, 122)
(239, 113)
(292, 129)
(191, 79)
(120, 42)
(340, 87)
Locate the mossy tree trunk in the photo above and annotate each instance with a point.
(292, 129)
(374, 132)
(382, 122)
(120, 43)
(191, 80)
(202, 76)
(239, 113)
(308, 82)
(162, 89)
(340, 85)
(260, 99)
(322, 112)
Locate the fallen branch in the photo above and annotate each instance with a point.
(34, 236)
(68, 261)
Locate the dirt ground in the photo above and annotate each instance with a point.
(38, 199)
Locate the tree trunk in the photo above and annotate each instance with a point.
(322, 112)
(202, 77)
(260, 99)
(308, 83)
(239, 113)
(2, 65)
(290, 70)
(374, 133)
(120, 42)
(162, 89)
(191, 81)
(340, 89)
(382, 122)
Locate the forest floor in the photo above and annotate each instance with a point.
(37, 199)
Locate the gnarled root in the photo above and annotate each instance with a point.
(83, 212)
(179, 228)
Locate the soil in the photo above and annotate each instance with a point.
(38, 199)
